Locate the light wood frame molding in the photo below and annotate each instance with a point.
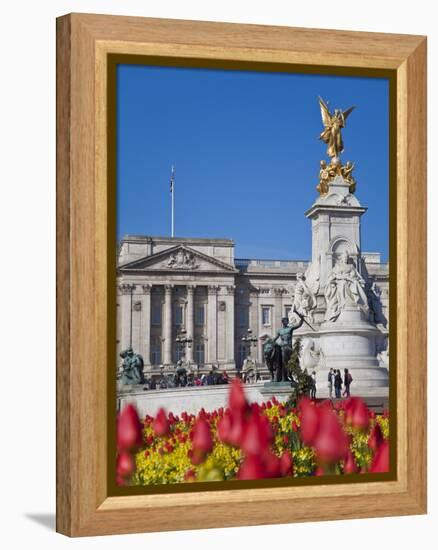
(83, 44)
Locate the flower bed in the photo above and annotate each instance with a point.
(251, 442)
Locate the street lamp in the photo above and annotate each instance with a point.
(182, 338)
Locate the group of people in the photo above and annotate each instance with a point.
(335, 382)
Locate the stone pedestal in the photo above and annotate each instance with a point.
(349, 342)
(280, 390)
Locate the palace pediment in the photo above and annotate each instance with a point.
(178, 259)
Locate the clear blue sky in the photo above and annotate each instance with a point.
(246, 150)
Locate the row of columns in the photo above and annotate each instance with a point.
(128, 325)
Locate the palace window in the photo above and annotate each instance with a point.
(287, 310)
(156, 351)
(178, 315)
(266, 316)
(200, 315)
(200, 353)
(156, 314)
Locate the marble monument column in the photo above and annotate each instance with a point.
(190, 326)
(167, 328)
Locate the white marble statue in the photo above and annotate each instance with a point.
(304, 296)
(344, 286)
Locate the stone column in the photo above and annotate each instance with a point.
(254, 321)
(167, 326)
(126, 305)
(145, 326)
(190, 324)
(229, 327)
(212, 323)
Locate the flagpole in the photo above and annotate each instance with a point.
(172, 190)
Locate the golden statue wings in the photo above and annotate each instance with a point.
(333, 123)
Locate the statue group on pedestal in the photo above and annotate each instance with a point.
(132, 367)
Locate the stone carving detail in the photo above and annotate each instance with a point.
(126, 288)
(280, 291)
(136, 306)
(213, 289)
(312, 358)
(230, 290)
(344, 287)
(304, 296)
(147, 289)
(182, 259)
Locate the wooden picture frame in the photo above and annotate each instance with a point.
(84, 43)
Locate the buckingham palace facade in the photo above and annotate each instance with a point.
(195, 286)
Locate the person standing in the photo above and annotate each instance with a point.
(331, 380)
(313, 387)
(338, 384)
(348, 379)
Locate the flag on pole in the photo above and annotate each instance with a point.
(172, 177)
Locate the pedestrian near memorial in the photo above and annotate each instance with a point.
(348, 379)
(331, 381)
(338, 384)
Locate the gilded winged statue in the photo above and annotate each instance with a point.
(333, 123)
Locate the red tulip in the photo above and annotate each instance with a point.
(257, 435)
(252, 468)
(129, 429)
(202, 439)
(286, 464)
(237, 398)
(272, 464)
(224, 428)
(125, 465)
(236, 430)
(350, 466)
(357, 413)
(376, 437)
(161, 423)
(381, 459)
(120, 481)
(310, 417)
(330, 442)
(190, 475)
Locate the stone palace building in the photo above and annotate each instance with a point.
(166, 286)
